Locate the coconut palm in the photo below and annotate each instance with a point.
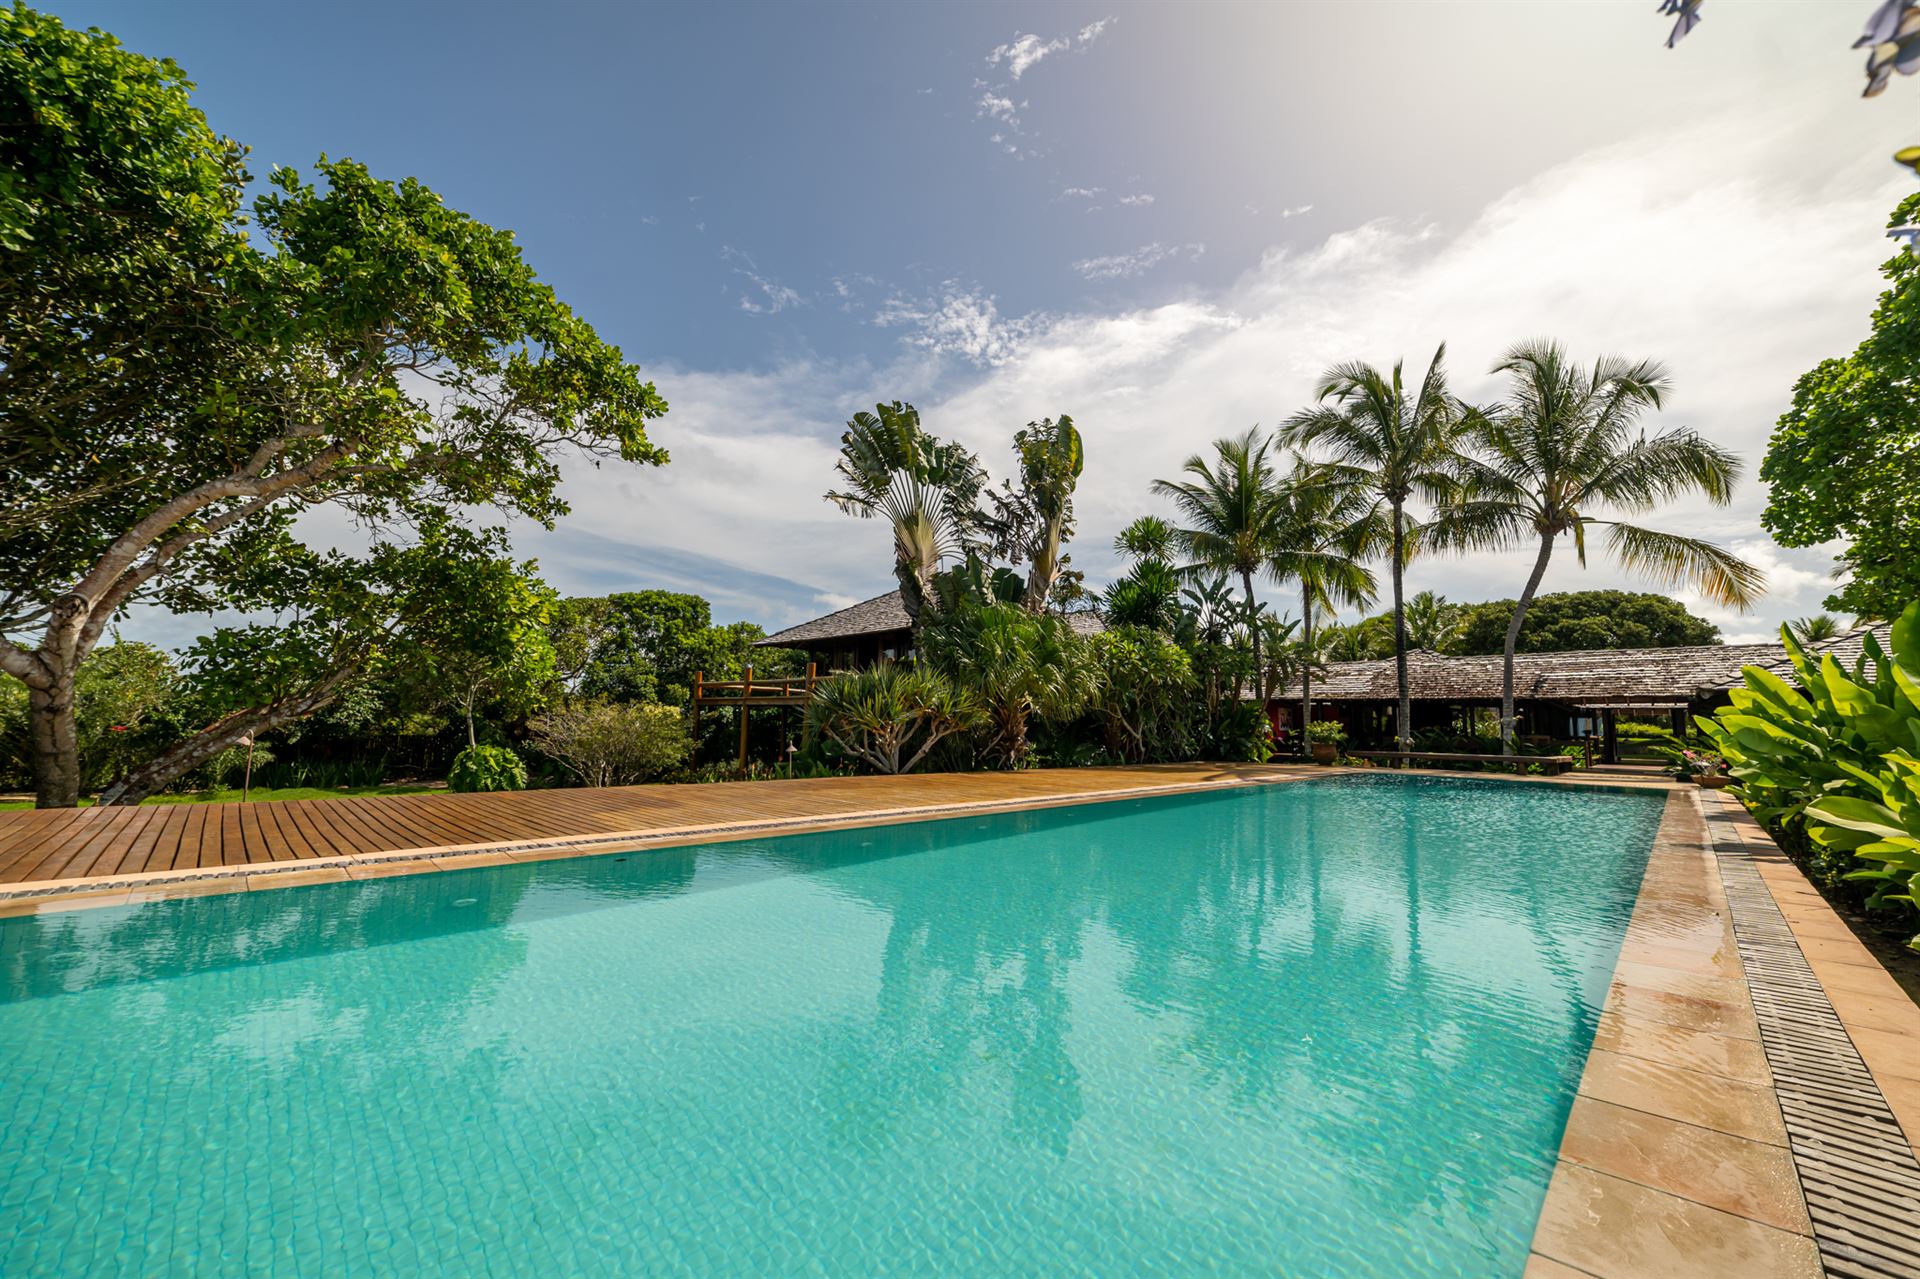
(1817, 629)
(928, 491)
(1392, 443)
(1147, 538)
(1563, 446)
(1431, 621)
(1329, 528)
(1233, 512)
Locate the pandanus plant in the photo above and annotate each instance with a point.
(1564, 447)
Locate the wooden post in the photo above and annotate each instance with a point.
(1609, 736)
(698, 679)
(746, 690)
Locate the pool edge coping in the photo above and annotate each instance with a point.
(1668, 1166)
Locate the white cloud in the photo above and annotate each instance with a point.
(1026, 50)
(1741, 251)
(1136, 199)
(767, 296)
(1122, 266)
(1296, 211)
(1081, 193)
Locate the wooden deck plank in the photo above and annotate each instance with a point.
(46, 844)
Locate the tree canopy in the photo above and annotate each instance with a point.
(1844, 461)
(183, 379)
(1565, 621)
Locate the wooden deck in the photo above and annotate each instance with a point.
(62, 849)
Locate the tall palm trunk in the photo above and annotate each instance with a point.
(1253, 625)
(1513, 641)
(1403, 725)
(1306, 667)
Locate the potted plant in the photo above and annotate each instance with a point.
(1325, 737)
(1705, 769)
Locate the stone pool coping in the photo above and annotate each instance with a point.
(1724, 1124)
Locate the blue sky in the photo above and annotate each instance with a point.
(1161, 219)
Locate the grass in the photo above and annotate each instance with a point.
(261, 794)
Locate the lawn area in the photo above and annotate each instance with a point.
(261, 793)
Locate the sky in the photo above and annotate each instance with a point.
(1165, 220)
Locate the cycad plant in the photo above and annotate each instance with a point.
(1391, 442)
(1564, 447)
(1233, 513)
(926, 490)
(1329, 527)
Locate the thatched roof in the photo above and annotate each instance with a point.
(1846, 650)
(881, 615)
(1653, 676)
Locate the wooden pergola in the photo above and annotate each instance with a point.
(750, 694)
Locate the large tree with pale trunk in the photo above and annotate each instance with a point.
(181, 380)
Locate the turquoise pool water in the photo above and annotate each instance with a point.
(1321, 1028)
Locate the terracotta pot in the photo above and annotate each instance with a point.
(1713, 781)
(1325, 752)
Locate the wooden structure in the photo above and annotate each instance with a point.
(1570, 696)
(749, 694)
(325, 838)
(871, 631)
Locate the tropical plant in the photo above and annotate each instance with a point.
(1882, 827)
(183, 380)
(1328, 528)
(926, 490)
(1829, 741)
(1241, 733)
(1148, 596)
(1432, 623)
(1326, 731)
(1817, 629)
(1392, 444)
(889, 716)
(487, 768)
(1148, 538)
(1564, 446)
(1145, 690)
(1033, 522)
(1233, 512)
(607, 743)
(1019, 667)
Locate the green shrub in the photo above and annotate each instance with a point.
(1145, 698)
(1834, 756)
(606, 743)
(888, 717)
(1242, 734)
(1327, 731)
(487, 768)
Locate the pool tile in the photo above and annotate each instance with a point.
(1690, 1096)
(59, 902)
(1747, 1178)
(1712, 1054)
(1673, 981)
(1539, 1267)
(294, 878)
(1616, 1229)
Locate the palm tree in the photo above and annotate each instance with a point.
(1431, 621)
(1563, 445)
(1817, 629)
(1393, 445)
(928, 491)
(1328, 529)
(1147, 538)
(1233, 512)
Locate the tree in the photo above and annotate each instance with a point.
(364, 346)
(1148, 596)
(1034, 521)
(336, 620)
(927, 491)
(1328, 528)
(1146, 682)
(1844, 460)
(1233, 511)
(607, 743)
(1817, 629)
(1393, 446)
(1017, 665)
(1563, 622)
(889, 716)
(1562, 446)
(1432, 623)
(1148, 538)
(510, 660)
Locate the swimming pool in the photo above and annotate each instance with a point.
(1323, 1027)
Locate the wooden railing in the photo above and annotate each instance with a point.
(748, 693)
